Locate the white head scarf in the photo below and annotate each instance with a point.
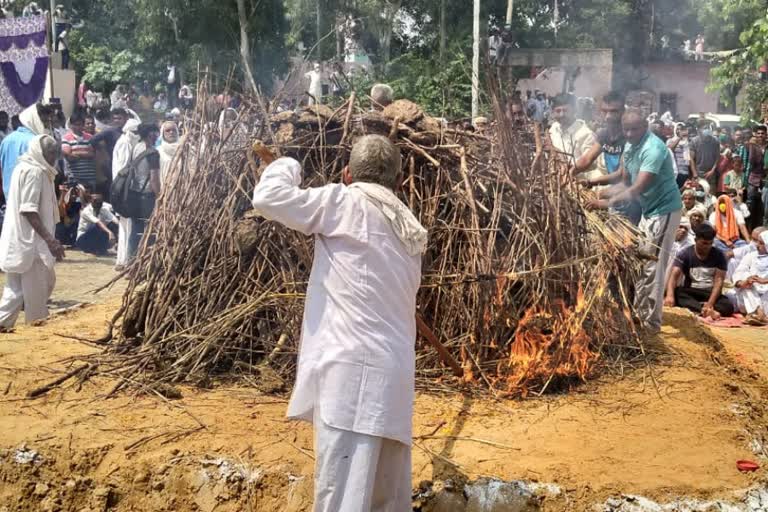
(31, 119)
(167, 151)
(34, 156)
(764, 237)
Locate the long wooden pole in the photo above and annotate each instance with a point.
(476, 59)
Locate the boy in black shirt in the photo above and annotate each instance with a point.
(703, 267)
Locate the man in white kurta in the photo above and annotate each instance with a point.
(751, 279)
(121, 157)
(355, 378)
(28, 248)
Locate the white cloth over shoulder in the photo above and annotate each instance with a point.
(123, 153)
(402, 220)
(32, 190)
(356, 361)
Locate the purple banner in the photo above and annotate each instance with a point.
(25, 93)
(22, 41)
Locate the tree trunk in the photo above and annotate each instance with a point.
(245, 47)
(442, 32)
(390, 10)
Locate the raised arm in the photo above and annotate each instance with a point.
(586, 160)
(278, 197)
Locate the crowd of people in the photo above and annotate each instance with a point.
(697, 192)
(94, 196)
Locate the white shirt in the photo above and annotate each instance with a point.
(88, 218)
(32, 190)
(356, 361)
(736, 214)
(753, 264)
(577, 139)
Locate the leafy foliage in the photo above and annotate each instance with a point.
(740, 71)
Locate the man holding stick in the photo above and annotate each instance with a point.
(355, 378)
(647, 175)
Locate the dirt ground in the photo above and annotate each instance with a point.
(676, 432)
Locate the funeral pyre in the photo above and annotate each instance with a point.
(525, 289)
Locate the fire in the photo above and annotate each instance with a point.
(550, 345)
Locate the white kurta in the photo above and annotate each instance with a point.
(121, 157)
(24, 255)
(756, 296)
(356, 361)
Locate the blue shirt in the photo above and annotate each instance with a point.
(12, 147)
(651, 155)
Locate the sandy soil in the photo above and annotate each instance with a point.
(677, 434)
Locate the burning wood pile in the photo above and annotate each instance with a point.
(526, 290)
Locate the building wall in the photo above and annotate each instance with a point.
(687, 80)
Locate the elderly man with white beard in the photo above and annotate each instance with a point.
(355, 378)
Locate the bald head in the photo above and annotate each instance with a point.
(634, 125)
(756, 233)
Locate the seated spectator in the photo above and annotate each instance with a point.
(689, 200)
(77, 149)
(97, 229)
(697, 215)
(752, 283)
(734, 178)
(735, 257)
(683, 239)
(729, 224)
(70, 205)
(703, 268)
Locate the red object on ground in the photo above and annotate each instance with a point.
(747, 465)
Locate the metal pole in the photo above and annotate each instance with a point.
(510, 8)
(476, 60)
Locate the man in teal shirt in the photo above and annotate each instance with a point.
(647, 176)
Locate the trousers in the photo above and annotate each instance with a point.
(360, 473)
(693, 299)
(753, 298)
(124, 233)
(30, 290)
(659, 233)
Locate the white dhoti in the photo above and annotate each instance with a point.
(123, 234)
(360, 473)
(30, 290)
(659, 232)
(754, 297)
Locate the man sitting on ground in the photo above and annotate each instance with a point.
(355, 379)
(98, 227)
(703, 267)
(752, 283)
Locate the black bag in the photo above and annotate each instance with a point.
(128, 199)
